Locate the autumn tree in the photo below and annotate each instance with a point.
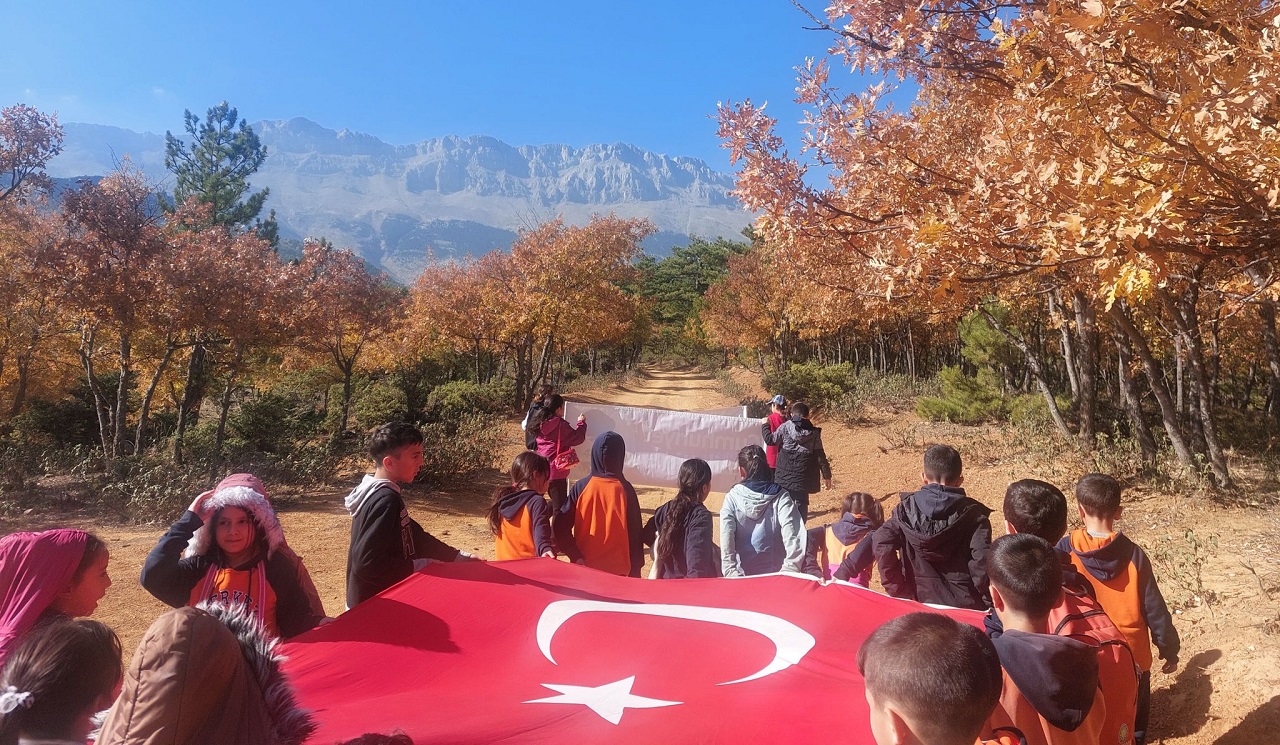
(29, 139)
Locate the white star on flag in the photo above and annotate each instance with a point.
(608, 700)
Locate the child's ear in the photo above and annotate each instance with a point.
(1119, 513)
(898, 728)
(1008, 528)
(1080, 509)
(997, 600)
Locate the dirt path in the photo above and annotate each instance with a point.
(1227, 691)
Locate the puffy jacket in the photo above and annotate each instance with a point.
(1051, 689)
(205, 676)
(761, 530)
(693, 553)
(556, 436)
(801, 459)
(934, 549)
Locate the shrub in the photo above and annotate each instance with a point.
(460, 398)
(271, 421)
(460, 447)
(817, 385)
(965, 399)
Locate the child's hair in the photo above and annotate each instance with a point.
(375, 738)
(754, 464)
(1098, 494)
(800, 409)
(390, 437)
(94, 549)
(1036, 507)
(862, 503)
(942, 464)
(544, 390)
(55, 676)
(550, 405)
(694, 474)
(526, 465)
(943, 676)
(1025, 569)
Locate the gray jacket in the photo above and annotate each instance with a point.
(761, 530)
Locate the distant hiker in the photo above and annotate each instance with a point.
(934, 546)
(530, 436)
(386, 544)
(843, 548)
(801, 458)
(777, 415)
(599, 522)
(761, 530)
(48, 575)
(228, 548)
(61, 674)
(1125, 584)
(519, 517)
(680, 531)
(556, 439)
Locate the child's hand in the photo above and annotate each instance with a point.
(548, 554)
(582, 419)
(827, 482)
(197, 505)
(1169, 666)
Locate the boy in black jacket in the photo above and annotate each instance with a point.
(934, 547)
(386, 544)
(801, 459)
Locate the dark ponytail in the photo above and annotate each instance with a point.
(754, 464)
(694, 474)
(861, 503)
(524, 468)
(547, 409)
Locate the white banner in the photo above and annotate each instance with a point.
(739, 411)
(658, 441)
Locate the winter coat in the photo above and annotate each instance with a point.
(206, 676)
(186, 567)
(693, 554)
(761, 530)
(1126, 589)
(385, 541)
(34, 569)
(526, 526)
(555, 437)
(530, 438)
(1051, 690)
(801, 459)
(599, 522)
(934, 549)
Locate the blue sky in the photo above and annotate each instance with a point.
(648, 73)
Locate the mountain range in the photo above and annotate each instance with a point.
(401, 206)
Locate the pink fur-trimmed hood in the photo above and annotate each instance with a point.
(255, 504)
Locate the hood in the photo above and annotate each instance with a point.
(255, 504)
(34, 569)
(850, 528)
(804, 432)
(368, 485)
(755, 497)
(511, 504)
(1104, 558)
(607, 456)
(1057, 675)
(938, 520)
(206, 674)
(550, 425)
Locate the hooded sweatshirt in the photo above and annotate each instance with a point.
(526, 526)
(205, 676)
(1126, 589)
(934, 549)
(600, 520)
(761, 530)
(34, 569)
(1051, 689)
(801, 459)
(556, 436)
(385, 541)
(693, 554)
(841, 540)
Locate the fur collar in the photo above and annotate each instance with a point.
(201, 543)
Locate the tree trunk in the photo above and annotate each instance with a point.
(100, 406)
(1156, 381)
(20, 392)
(186, 409)
(1037, 371)
(348, 374)
(1267, 312)
(121, 411)
(1068, 349)
(1188, 321)
(1132, 400)
(224, 407)
(145, 410)
(1087, 369)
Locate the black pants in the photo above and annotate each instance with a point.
(1144, 709)
(558, 493)
(802, 503)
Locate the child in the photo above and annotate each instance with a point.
(56, 680)
(554, 436)
(934, 547)
(519, 518)
(530, 436)
(930, 681)
(53, 574)
(599, 523)
(1124, 583)
(680, 530)
(777, 415)
(386, 544)
(1038, 508)
(1051, 684)
(206, 676)
(844, 547)
(226, 548)
(800, 456)
(761, 530)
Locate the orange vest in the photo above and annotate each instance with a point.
(600, 526)
(515, 541)
(1015, 711)
(1078, 616)
(834, 553)
(248, 587)
(1119, 596)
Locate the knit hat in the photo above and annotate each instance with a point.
(236, 491)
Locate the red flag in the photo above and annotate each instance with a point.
(539, 651)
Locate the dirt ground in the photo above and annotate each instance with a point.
(1226, 691)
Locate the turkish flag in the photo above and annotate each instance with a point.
(540, 650)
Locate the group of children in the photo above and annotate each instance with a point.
(1065, 658)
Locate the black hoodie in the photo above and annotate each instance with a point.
(585, 524)
(1058, 677)
(934, 549)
